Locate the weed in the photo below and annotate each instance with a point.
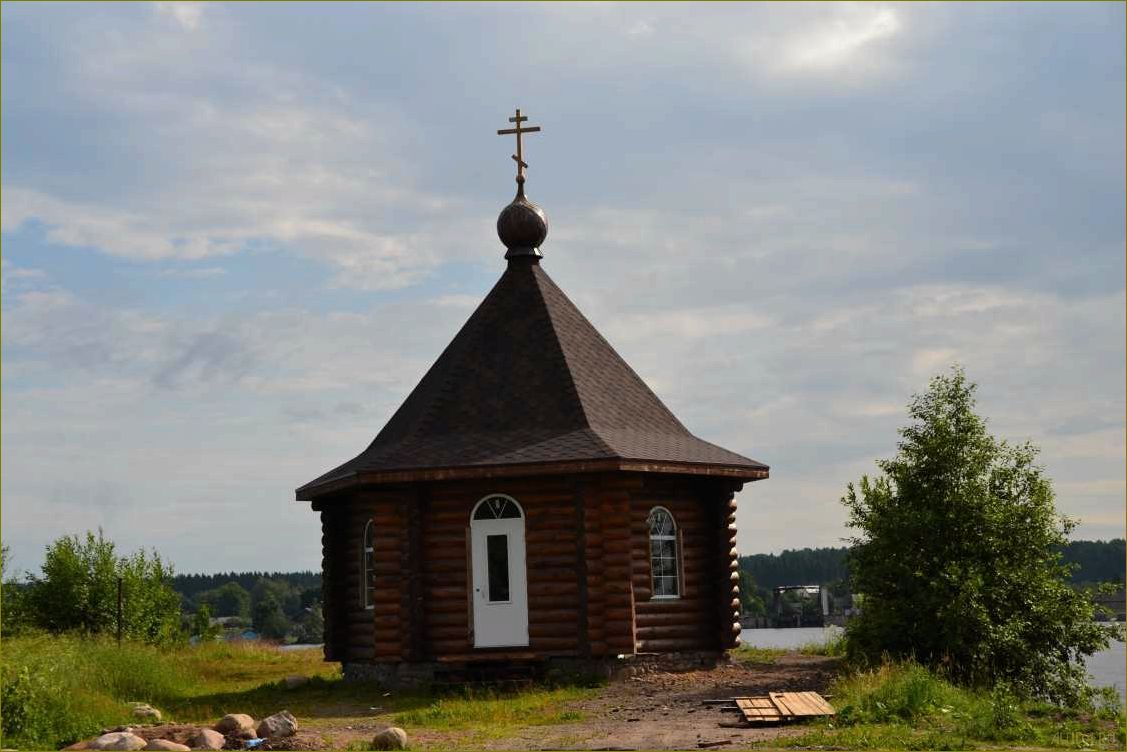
(751, 654)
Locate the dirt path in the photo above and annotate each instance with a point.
(664, 711)
(653, 711)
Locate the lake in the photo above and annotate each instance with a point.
(1108, 668)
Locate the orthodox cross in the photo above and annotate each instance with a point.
(518, 119)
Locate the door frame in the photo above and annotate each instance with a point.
(513, 528)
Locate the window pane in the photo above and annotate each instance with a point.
(497, 508)
(497, 557)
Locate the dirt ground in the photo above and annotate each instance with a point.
(654, 711)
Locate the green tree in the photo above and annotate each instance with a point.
(311, 626)
(77, 590)
(751, 601)
(958, 556)
(268, 619)
(13, 601)
(231, 599)
(202, 626)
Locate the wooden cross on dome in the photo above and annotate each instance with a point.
(519, 156)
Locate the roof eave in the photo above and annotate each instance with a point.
(745, 473)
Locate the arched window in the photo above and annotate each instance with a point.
(367, 564)
(497, 507)
(664, 565)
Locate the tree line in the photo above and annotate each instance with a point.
(77, 590)
(1095, 562)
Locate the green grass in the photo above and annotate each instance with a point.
(498, 712)
(906, 706)
(57, 690)
(833, 646)
(752, 654)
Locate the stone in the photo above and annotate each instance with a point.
(145, 711)
(77, 746)
(206, 738)
(232, 723)
(118, 740)
(167, 746)
(391, 737)
(278, 725)
(295, 680)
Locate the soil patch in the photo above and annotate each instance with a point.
(656, 710)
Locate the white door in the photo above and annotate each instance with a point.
(500, 583)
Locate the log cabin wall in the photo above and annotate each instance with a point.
(331, 589)
(728, 570)
(611, 607)
(353, 632)
(550, 551)
(692, 621)
(588, 568)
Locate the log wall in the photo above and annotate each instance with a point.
(588, 568)
(352, 631)
(693, 620)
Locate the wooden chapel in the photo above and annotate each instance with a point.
(531, 502)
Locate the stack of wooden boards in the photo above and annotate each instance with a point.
(778, 707)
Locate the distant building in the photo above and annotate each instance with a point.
(531, 500)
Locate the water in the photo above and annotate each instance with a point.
(1108, 668)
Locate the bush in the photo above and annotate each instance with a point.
(959, 557)
(77, 591)
(56, 689)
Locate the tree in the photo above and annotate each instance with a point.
(78, 591)
(202, 626)
(269, 621)
(958, 556)
(751, 601)
(231, 599)
(311, 626)
(13, 603)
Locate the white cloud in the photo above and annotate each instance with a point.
(841, 40)
(186, 14)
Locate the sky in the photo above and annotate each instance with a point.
(235, 236)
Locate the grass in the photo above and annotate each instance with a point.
(833, 646)
(59, 689)
(906, 706)
(499, 713)
(752, 654)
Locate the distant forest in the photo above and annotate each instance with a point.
(1100, 561)
(191, 585)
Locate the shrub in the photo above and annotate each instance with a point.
(959, 557)
(78, 588)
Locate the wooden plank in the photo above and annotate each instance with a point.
(758, 710)
(819, 703)
(800, 704)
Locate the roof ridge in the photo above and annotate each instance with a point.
(574, 367)
(539, 275)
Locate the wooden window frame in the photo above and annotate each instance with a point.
(367, 553)
(675, 538)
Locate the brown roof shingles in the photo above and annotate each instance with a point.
(528, 379)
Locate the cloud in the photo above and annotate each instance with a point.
(186, 14)
(241, 156)
(786, 218)
(842, 40)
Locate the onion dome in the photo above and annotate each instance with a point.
(522, 226)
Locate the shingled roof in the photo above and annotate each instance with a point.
(528, 383)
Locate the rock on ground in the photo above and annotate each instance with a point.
(232, 723)
(206, 738)
(118, 740)
(391, 737)
(167, 746)
(278, 725)
(146, 711)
